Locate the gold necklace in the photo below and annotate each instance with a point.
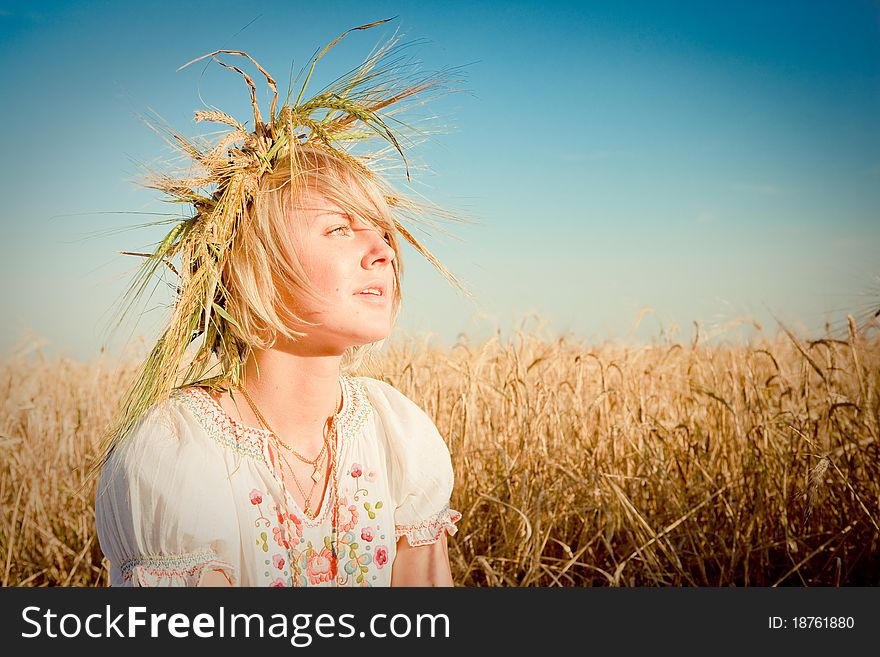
(334, 488)
(315, 463)
(306, 498)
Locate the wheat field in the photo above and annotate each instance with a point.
(576, 465)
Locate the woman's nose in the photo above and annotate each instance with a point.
(379, 248)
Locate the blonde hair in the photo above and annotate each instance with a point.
(263, 262)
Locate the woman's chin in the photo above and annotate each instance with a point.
(370, 338)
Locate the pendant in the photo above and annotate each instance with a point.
(316, 475)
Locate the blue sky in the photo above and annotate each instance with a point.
(708, 162)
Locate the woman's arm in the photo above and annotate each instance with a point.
(214, 578)
(425, 565)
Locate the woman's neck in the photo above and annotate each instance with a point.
(295, 392)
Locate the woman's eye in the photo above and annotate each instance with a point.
(342, 228)
(388, 238)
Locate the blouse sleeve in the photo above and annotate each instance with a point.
(164, 507)
(420, 467)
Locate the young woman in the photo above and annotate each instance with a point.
(282, 469)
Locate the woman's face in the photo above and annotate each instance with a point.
(342, 255)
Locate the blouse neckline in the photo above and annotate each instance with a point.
(255, 443)
(227, 419)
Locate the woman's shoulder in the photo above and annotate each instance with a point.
(420, 464)
(384, 392)
(398, 413)
(163, 419)
(167, 427)
(388, 401)
(165, 442)
(163, 491)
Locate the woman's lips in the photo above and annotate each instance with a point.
(372, 298)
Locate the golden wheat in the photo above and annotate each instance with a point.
(575, 465)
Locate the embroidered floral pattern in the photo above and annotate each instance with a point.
(348, 515)
(315, 565)
(381, 557)
(257, 499)
(283, 534)
(371, 510)
(320, 566)
(357, 472)
(356, 565)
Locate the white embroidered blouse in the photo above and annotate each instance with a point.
(192, 490)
